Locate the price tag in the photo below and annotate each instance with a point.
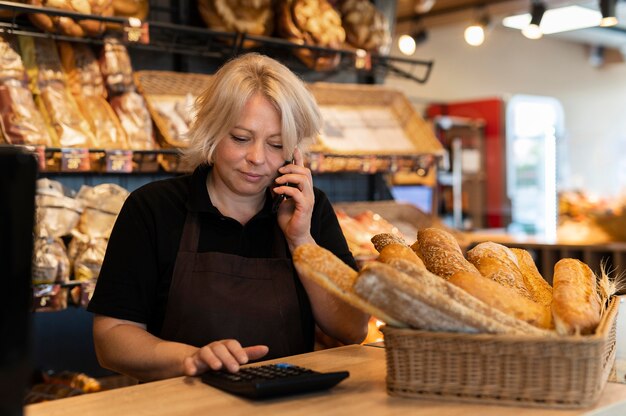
(136, 31)
(75, 160)
(120, 161)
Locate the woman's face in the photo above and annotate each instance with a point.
(247, 159)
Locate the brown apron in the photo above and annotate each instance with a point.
(216, 296)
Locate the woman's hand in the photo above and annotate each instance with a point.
(227, 353)
(294, 214)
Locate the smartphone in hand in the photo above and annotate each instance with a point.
(279, 198)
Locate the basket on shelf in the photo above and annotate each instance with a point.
(558, 372)
(159, 87)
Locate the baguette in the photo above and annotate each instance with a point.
(493, 319)
(499, 264)
(576, 306)
(321, 266)
(503, 298)
(399, 251)
(441, 252)
(540, 290)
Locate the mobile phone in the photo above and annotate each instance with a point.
(279, 198)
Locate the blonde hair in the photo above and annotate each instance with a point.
(220, 105)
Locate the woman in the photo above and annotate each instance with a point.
(198, 273)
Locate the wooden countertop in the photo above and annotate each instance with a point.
(362, 393)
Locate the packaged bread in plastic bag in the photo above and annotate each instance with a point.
(86, 84)
(50, 261)
(82, 69)
(89, 260)
(47, 81)
(134, 116)
(102, 205)
(116, 67)
(56, 215)
(20, 120)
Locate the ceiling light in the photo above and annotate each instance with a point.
(475, 33)
(607, 8)
(408, 43)
(533, 30)
(557, 20)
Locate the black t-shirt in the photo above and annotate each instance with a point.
(137, 271)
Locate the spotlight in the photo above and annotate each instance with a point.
(533, 31)
(607, 8)
(475, 33)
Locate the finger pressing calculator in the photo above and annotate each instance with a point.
(272, 380)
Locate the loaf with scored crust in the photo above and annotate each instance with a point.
(576, 306)
(540, 290)
(503, 298)
(498, 263)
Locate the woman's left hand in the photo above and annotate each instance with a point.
(294, 214)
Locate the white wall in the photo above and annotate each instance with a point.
(594, 99)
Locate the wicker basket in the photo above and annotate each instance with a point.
(560, 372)
(166, 86)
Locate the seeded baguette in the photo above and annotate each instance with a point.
(493, 319)
(328, 271)
(540, 290)
(441, 252)
(576, 306)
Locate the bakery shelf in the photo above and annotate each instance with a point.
(196, 41)
(106, 161)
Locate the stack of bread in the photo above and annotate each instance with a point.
(312, 23)
(253, 17)
(68, 26)
(431, 285)
(366, 27)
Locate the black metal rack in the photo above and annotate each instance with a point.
(180, 39)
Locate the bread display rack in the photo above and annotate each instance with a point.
(201, 42)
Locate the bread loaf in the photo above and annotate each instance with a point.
(502, 298)
(540, 290)
(399, 251)
(397, 294)
(441, 252)
(576, 307)
(480, 314)
(329, 272)
(499, 264)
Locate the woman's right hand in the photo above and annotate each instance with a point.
(227, 353)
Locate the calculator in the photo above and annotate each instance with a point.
(272, 380)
